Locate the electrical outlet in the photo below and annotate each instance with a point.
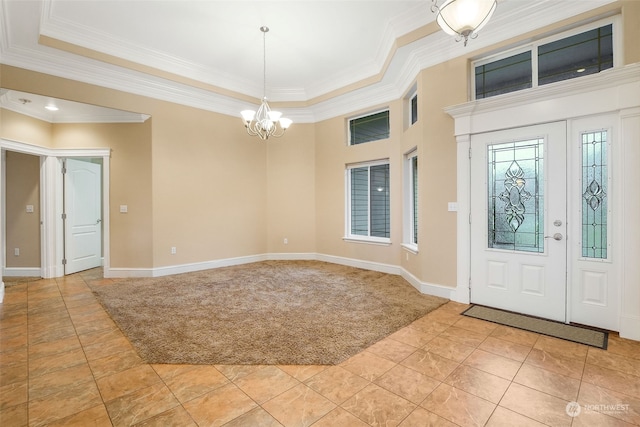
(16, 251)
(173, 250)
(124, 208)
(286, 241)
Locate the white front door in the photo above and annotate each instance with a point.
(83, 211)
(519, 220)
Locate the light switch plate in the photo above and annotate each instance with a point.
(452, 207)
(124, 209)
(29, 208)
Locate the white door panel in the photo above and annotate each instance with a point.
(83, 210)
(518, 196)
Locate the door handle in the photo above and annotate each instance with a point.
(557, 236)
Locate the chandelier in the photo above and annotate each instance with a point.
(463, 18)
(264, 123)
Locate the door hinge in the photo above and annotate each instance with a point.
(469, 217)
(64, 216)
(469, 152)
(64, 262)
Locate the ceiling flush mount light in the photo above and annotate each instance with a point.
(463, 18)
(264, 123)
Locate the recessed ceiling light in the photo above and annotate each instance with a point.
(51, 107)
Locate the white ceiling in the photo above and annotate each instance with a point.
(315, 48)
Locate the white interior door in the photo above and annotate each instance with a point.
(518, 220)
(83, 212)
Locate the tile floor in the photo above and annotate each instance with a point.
(63, 362)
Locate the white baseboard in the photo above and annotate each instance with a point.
(428, 288)
(422, 287)
(21, 272)
(1, 292)
(358, 263)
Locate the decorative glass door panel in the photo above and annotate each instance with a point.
(516, 196)
(594, 205)
(519, 220)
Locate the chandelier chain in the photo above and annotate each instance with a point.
(264, 61)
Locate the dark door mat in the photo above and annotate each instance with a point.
(580, 334)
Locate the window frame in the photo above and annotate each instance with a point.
(616, 34)
(347, 232)
(370, 113)
(410, 195)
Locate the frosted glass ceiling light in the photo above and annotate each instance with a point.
(264, 123)
(463, 18)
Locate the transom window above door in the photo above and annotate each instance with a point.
(583, 51)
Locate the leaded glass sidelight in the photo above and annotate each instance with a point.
(515, 196)
(594, 196)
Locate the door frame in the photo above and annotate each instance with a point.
(51, 203)
(615, 91)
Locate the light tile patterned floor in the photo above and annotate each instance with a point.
(63, 362)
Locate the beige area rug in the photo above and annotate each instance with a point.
(273, 312)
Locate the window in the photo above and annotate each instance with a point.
(410, 107)
(368, 201)
(595, 177)
(369, 128)
(566, 57)
(410, 223)
(504, 75)
(413, 108)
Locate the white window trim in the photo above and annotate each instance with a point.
(618, 50)
(408, 201)
(348, 237)
(370, 113)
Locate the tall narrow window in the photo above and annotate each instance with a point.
(369, 128)
(594, 196)
(413, 103)
(368, 213)
(410, 217)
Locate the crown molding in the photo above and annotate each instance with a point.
(404, 65)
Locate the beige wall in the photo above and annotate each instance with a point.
(209, 187)
(193, 179)
(21, 128)
(23, 228)
(291, 177)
